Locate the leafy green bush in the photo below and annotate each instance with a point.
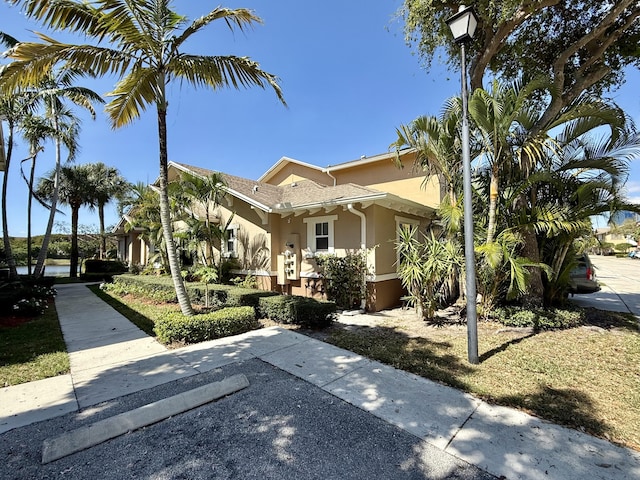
(538, 319)
(175, 327)
(25, 297)
(344, 277)
(292, 309)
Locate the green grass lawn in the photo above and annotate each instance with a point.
(586, 378)
(140, 312)
(33, 350)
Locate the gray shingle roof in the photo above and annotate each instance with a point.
(305, 192)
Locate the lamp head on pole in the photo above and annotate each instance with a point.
(463, 24)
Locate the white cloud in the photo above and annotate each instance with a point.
(632, 187)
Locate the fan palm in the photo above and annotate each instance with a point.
(73, 187)
(107, 184)
(146, 38)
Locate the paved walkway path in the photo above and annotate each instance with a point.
(111, 358)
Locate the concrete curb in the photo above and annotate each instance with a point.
(91, 435)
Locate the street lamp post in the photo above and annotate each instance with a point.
(463, 26)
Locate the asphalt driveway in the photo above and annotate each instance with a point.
(620, 285)
(281, 427)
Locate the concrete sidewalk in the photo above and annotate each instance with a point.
(111, 358)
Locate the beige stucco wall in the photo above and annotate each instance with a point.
(293, 172)
(412, 189)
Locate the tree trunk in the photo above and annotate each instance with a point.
(39, 270)
(103, 239)
(165, 217)
(73, 265)
(29, 204)
(493, 201)
(11, 262)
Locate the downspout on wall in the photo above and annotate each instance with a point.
(328, 172)
(363, 241)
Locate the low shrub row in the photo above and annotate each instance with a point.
(298, 310)
(236, 308)
(539, 319)
(175, 327)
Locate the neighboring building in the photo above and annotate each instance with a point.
(605, 236)
(300, 211)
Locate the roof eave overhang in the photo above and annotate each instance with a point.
(228, 190)
(384, 199)
(279, 165)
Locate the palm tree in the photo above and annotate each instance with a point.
(12, 108)
(52, 89)
(75, 189)
(107, 185)
(504, 119)
(147, 37)
(205, 194)
(35, 130)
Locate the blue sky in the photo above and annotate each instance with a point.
(347, 75)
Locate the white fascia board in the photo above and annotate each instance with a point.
(248, 200)
(366, 160)
(228, 190)
(280, 163)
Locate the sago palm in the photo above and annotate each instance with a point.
(146, 38)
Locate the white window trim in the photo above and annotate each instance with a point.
(311, 232)
(225, 252)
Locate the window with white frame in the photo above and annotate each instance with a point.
(404, 224)
(230, 244)
(320, 233)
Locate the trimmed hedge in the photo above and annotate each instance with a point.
(175, 327)
(161, 289)
(293, 309)
(111, 267)
(96, 270)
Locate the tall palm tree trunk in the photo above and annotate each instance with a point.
(42, 255)
(73, 264)
(493, 202)
(103, 238)
(32, 174)
(11, 261)
(165, 217)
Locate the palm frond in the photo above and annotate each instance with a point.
(239, 18)
(132, 95)
(222, 71)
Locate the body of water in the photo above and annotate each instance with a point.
(49, 271)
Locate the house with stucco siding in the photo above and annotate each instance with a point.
(300, 211)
